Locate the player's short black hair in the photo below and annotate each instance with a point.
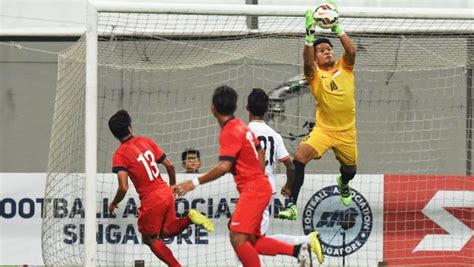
(322, 40)
(257, 102)
(190, 151)
(224, 100)
(119, 123)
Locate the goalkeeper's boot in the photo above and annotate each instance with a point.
(289, 213)
(316, 246)
(304, 256)
(345, 191)
(197, 218)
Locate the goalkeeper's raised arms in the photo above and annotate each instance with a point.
(309, 26)
(337, 29)
(332, 3)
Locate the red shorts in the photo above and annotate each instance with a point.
(253, 201)
(152, 220)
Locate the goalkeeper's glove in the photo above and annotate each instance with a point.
(309, 25)
(332, 3)
(337, 29)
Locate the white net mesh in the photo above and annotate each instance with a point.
(413, 82)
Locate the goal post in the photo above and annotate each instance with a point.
(276, 10)
(91, 137)
(162, 61)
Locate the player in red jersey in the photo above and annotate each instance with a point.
(240, 153)
(138, 158)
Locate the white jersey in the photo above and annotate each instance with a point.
(272, 143)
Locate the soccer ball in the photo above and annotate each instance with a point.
(326, 16)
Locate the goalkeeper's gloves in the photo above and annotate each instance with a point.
(332, 3)
(337, 29)
(309, 25)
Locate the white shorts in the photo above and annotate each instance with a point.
(266, 217)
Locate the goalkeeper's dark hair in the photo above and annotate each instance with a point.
(188, 151)
(257, 102)
(224, 100)
(119, 123)
(322, 40)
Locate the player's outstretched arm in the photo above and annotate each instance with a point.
(122, 177)
(170, 170)
(261, 159)
(308, 52)
(221, 168)
(290, 173)
(349, 48)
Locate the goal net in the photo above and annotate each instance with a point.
(414, 120)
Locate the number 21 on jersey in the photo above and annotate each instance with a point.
(148, 161)
(268, 145)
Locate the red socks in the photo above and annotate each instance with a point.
(272, 247)
(175, 227)
(248, 255)
(164, 253)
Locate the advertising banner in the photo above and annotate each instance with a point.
(352, 234)
(429, 220)
(21, 203)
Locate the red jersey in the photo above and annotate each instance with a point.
(239, 145)
(139, 156)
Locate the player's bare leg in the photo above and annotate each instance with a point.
(304, 154)
(160, 250)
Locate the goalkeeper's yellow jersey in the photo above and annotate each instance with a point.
(334, 92)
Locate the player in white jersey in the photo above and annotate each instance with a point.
(272, 143)
(275, 149)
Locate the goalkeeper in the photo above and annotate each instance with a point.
(331, 82)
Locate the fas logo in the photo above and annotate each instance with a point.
(343, 229)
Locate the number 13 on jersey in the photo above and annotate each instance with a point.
(149, 162)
